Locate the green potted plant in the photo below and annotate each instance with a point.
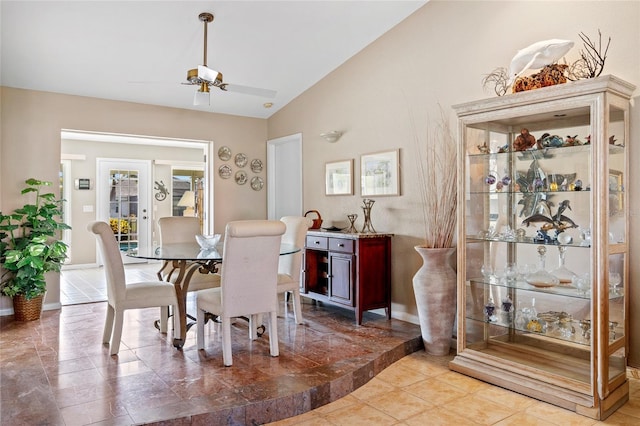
(30, 246)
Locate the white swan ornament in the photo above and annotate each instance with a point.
(538, 55)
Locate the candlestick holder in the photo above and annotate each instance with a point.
(352, 227)
(366, 208)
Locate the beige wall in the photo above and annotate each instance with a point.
(31, 124)
(440, 55)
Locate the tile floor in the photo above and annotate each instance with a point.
(56, 372)
(420, 390)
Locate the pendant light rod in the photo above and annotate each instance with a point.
(205, 18)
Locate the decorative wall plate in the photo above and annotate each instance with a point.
(257, 183)
(224, 153)
(224, 171)
(256, 166)
(241, 177)
(241, 160)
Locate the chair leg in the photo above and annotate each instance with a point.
(117, 332)
(175, 321)
(164, 318)
(273, 333)
(108, 325)
(227, 357)
(297, 307)
(200, 328)
(254, 321)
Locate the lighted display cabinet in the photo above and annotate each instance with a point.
(543, 243)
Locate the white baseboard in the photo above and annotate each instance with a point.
(403, 316)
(79, 266)
(45, 307)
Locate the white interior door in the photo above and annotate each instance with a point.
(122, 190)
(284, 177)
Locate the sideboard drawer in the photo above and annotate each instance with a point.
(343, 245)
(320, 243)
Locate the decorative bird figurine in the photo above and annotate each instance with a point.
(561, 208)
(558, 221)
(572, 140)
(524, 141)
(550, 141)
(542, 140)
(537, 56)
(484, 148)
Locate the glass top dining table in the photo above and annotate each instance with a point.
(192, 252)
(181, 261)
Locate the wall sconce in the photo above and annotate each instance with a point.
(188, 201)
(331, 136)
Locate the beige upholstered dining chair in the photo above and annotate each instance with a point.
(183, 229)
(290, 265)
(122, 295)
(248, 284)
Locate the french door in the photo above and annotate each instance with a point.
(123, 201)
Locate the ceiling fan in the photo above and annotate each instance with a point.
(206, 77)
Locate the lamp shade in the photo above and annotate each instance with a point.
(188, 200)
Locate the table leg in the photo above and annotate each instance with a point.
(186, 271)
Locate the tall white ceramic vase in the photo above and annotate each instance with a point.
(434, 286)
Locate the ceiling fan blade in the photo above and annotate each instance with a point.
(207, 74)
(236, 88)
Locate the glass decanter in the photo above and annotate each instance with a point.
(542, 278)
(564, 275)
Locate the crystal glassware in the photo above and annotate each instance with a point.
(614, 281)
(490, 310)
(487, 271)
(582, 283)
(542, 278)
(562, 272)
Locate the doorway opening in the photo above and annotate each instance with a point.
(81, 152)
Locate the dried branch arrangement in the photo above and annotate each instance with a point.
(592, 59)
(498, 80)
(590, 65)
(438, 183)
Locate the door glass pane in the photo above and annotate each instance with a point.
(123, 207)
(183, 181)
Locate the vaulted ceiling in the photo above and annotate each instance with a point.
(140, 51)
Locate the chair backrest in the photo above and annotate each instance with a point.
(178, 229)
(113, 266)
(295, 234)
(250, 266)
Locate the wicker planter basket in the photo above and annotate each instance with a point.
(27, 310)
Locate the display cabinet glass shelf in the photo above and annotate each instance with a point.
(542, 243)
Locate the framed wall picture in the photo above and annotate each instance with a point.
(380, 173)
(339, 177)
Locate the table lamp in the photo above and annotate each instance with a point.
(188, 201)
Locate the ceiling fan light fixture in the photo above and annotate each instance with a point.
(206, 77)
(204, 73)
(202, 96)
(192, 76)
